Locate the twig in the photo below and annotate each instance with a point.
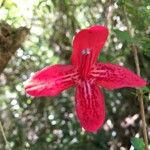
(4, 136)
(108, 20)
(109, 13)
(140, 92)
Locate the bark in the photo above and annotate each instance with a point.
(10, 40)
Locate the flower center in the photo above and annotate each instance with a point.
(78, 78)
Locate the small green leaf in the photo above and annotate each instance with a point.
(103, 58)
(120, 2)
(123, 36)
(138, 143)
(146, 89)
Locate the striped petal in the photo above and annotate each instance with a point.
(90, 106)
(86, 47)
(50, 81)
(112, 76)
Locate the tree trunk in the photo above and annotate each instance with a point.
(10, 40)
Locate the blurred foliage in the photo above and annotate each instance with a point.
(50, 123)
(138, 143)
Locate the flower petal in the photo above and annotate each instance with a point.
(112, 76)
(50, 81)
(90, 106)
(86, 47)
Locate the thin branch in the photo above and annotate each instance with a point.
(4, 136)
(109, 13)
(139, 91)
(108, 20)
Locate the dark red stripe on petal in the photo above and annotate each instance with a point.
(86, 47)
(90, 106)
(51, 80)
(112, 76)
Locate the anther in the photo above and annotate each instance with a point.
(86, 51)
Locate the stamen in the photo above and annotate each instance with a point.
(86, 51)
(86, 61)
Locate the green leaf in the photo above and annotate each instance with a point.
(146, 89)
(138, 143)
(103, 58)
(120, 2)
(123, 36)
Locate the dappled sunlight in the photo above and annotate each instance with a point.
(51, 123)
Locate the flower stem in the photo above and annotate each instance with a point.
(139, 91)
(4, 136)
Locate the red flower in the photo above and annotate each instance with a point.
(87, 75)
